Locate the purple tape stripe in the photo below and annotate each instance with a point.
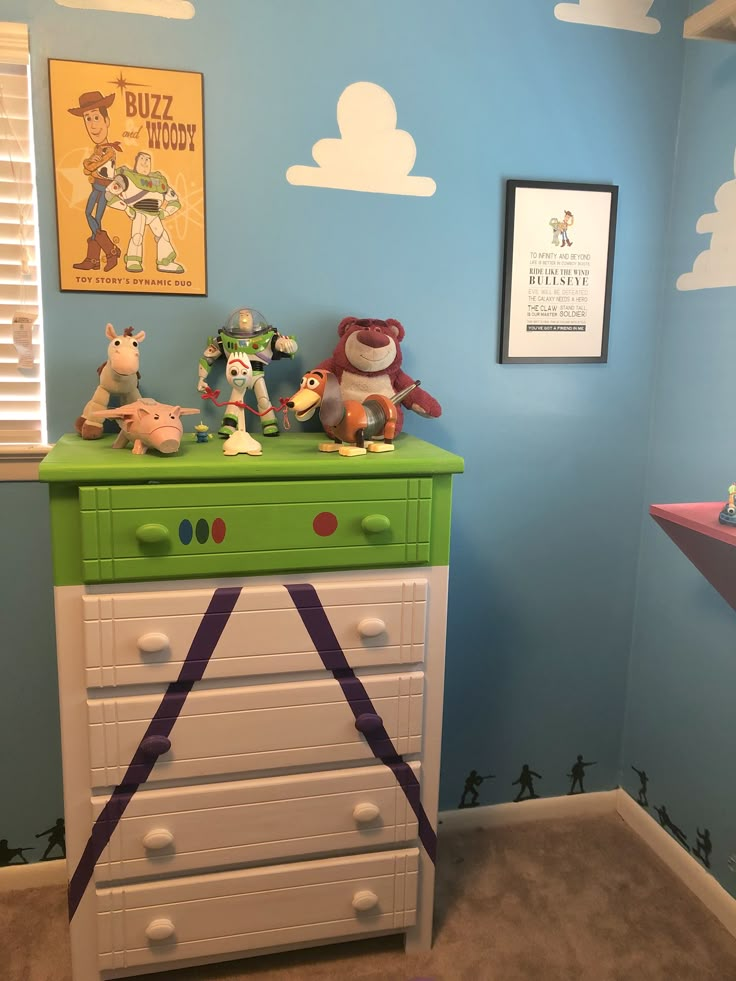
(305, 599)
(202, 647)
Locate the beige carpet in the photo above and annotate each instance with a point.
(580, 900)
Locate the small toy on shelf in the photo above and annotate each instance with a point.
(148, 424)
(202, 433)
(368, 359)
(119, 377)
(351, 424)
(240, 375)
(247, 337)
(728, 514)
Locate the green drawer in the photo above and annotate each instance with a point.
(170, 531)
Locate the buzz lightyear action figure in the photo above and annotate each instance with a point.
(246, 337)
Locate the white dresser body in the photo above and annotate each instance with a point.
(249, 802)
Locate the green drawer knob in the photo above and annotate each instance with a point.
(374, 524)
(152, 533)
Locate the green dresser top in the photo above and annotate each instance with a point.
(290, 456)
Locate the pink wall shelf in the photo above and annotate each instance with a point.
(709, 545)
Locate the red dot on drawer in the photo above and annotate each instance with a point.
(218, 530)
(325, 524)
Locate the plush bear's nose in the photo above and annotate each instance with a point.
(373, 338)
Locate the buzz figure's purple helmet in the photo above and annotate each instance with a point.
(245, 323)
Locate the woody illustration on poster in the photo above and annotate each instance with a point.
(129, 177)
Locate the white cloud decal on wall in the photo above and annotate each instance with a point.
(716, 266)
(371, 153)
(628, 15)
(178, 9)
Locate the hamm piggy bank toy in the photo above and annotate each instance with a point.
(148, 424)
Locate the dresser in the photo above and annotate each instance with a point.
(251, 661)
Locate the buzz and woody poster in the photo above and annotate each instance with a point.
(129, 178)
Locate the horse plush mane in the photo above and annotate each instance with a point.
(118, 378)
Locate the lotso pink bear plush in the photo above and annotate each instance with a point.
(367, 361)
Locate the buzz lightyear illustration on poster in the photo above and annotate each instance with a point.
(129, 178)
(558, 269)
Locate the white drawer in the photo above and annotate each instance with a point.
(246, 729)
(189, 829)
(136, 638)
(228, 912)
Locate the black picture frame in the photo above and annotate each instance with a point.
(556, 297)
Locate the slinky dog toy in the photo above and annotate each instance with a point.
(355, 427)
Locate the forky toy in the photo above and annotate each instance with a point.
(351, 424)
(240, 376)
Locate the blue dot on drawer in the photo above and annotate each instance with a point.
(202, 531)
(185, 532)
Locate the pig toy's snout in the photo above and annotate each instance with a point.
(166, 439)
(169, 446)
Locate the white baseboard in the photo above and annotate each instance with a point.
(539, 809)
(688, 869)
(34, 874)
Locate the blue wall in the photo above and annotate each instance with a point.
(680, 720)
(30, 800)
(547, 515)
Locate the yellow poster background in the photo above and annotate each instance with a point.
(152, 111)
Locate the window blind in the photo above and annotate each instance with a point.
(22, 415)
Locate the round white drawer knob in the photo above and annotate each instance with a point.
(371, 627)
(152, 643)
(364, 900)
(365, 813)
(157, 839)
(160, 929)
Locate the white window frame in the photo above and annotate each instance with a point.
(19, 461)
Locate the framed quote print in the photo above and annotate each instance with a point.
(558, 271)
(129, 178)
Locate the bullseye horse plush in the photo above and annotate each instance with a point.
(118, 378)
(351, 424)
